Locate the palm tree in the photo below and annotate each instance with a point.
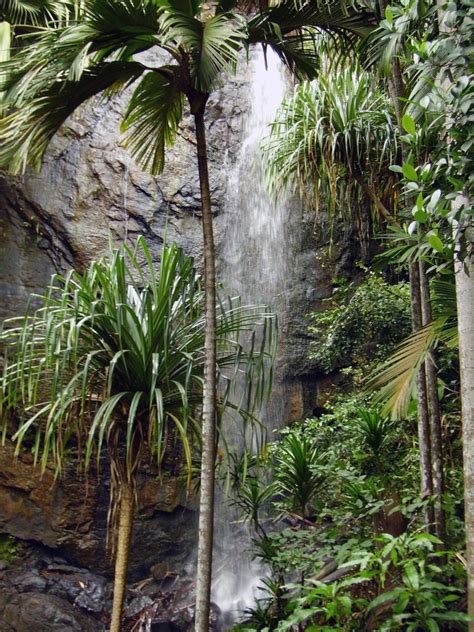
(115, 359)
(63, 66)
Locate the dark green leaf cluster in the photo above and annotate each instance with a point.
(369, 468)
(363, 322)
(399, 586)
(63, 65)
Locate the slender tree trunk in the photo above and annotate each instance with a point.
(426, 375)
(464, 278)
(206, 504)
(464, 275)
(124, 537)
(5, 45)
(426, 478)
(436, 437)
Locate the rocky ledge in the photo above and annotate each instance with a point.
(40, 591)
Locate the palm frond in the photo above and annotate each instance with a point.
(26, 132)
(303, 21)
(121, 28)
(27, 11)
(300, 53)
(223, 38)
(212, 45)
(152, 118)
(333, 16)
(444, 306)
(395, 378)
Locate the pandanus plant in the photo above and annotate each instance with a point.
(113, 360)
(335, 138)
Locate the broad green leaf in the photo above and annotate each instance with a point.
(409, 172)
(420, 201)
(409, 124)
(420, 216)
(435, 242)
(385, 597)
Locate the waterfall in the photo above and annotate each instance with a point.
(256, 260)
(254, 264)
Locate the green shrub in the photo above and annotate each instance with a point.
(363, 321)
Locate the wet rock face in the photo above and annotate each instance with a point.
(90, 188)
(44, 593)
(42, 613)
(70, 515)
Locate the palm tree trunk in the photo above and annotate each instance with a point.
(397, 90)
(424, 440)
(464, 275)
(436, 438)
(124, 537)
(206, 503)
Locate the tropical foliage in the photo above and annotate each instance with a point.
(334, 139)
(113, 360)
(65, 65)
(362, 319)
(356, 512)
(332, 570)
(118, 349)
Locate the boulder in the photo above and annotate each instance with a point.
(42, 613)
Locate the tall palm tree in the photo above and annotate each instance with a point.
(114, 358)
(199, 42)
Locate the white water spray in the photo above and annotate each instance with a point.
(254, 265)
(254, 261)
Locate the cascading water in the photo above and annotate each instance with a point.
(255, 265)
(256, 258)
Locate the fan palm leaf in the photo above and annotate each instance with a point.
(30, 12)
(212, 45)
